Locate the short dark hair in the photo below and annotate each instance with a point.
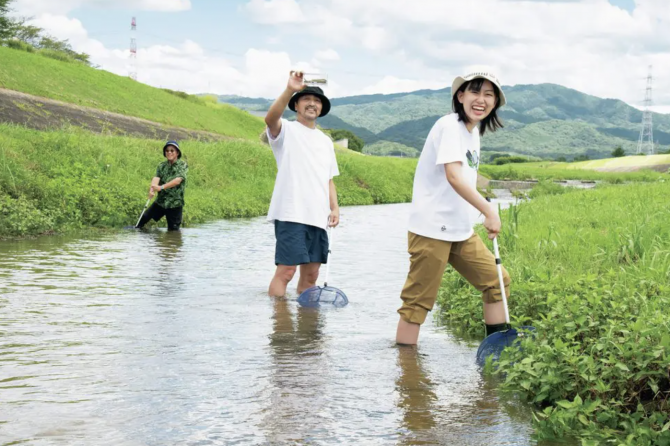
(492, 121)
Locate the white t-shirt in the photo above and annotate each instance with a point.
(305, 165)
(437, 211)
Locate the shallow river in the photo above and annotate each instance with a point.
(155, 338)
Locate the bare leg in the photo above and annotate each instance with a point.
(494, 313)
(309, 273)
(408, 333)
(280, 281)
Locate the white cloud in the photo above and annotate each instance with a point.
(275, 11)
(72, 30)
(392, 84)
(328, 55)
(38, 7)
(589, 45)
(186, 67)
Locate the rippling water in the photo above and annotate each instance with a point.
(155, 338)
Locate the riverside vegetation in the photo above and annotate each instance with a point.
(72, 179)
(591, 271)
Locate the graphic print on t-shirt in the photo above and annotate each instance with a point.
(473, 160)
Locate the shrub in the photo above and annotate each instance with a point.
(18, 45)
(618, 152)
(499, 161)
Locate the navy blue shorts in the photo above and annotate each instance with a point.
(298, 244)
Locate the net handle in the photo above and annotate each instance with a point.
(500, 278)
(143, 211)
(331, 232)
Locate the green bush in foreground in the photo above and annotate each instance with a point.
(72, 179)
(591, 271)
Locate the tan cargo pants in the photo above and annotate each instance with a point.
(429, 258)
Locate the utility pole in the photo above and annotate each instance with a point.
(645, 143)
(133, 51)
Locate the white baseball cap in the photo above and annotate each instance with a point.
(479, 72)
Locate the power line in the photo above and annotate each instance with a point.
(239, 55)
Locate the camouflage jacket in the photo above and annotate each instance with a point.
(173, 197)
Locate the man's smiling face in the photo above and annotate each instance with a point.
(309, 107)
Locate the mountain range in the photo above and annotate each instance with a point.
(545, 120)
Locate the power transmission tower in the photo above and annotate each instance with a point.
(133, 51)
(646, 142)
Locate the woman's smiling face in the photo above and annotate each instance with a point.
(478, 104)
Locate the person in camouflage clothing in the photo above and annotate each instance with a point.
(169, 183)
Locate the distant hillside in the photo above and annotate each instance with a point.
(544, 120)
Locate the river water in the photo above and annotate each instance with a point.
(156, 338)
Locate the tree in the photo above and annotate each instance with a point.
(355, 143)
(6, 24)
(618, 152)
(17, 30)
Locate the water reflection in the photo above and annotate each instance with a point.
(169, 244)
(297, 409)
(417, 398)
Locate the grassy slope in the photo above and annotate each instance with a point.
(71, 179)
(82, 85)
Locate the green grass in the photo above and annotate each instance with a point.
(564, 171)
(71, 179)
(591, 271)
(81, 85)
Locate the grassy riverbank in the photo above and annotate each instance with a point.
(564, 171)
(82, 85)
(625, 163)
(71, 179)
(591, 271)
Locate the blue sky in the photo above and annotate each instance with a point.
(246, 47)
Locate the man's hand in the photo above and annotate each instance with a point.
(492, 222)
(155, 188)
(295, 82)
(334, 218)
(151, 192)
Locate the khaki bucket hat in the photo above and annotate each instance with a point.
(479, 72)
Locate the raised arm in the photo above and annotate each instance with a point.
(273, 118)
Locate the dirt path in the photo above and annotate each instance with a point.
(46, 114)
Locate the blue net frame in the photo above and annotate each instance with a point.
(315, 296)
(494, 344)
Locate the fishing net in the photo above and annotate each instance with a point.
(500, 340)
(313, 297)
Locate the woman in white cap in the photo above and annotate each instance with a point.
(444, 208)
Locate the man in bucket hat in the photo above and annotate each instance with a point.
(304, 200)
(445, 206)
(169, 183)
